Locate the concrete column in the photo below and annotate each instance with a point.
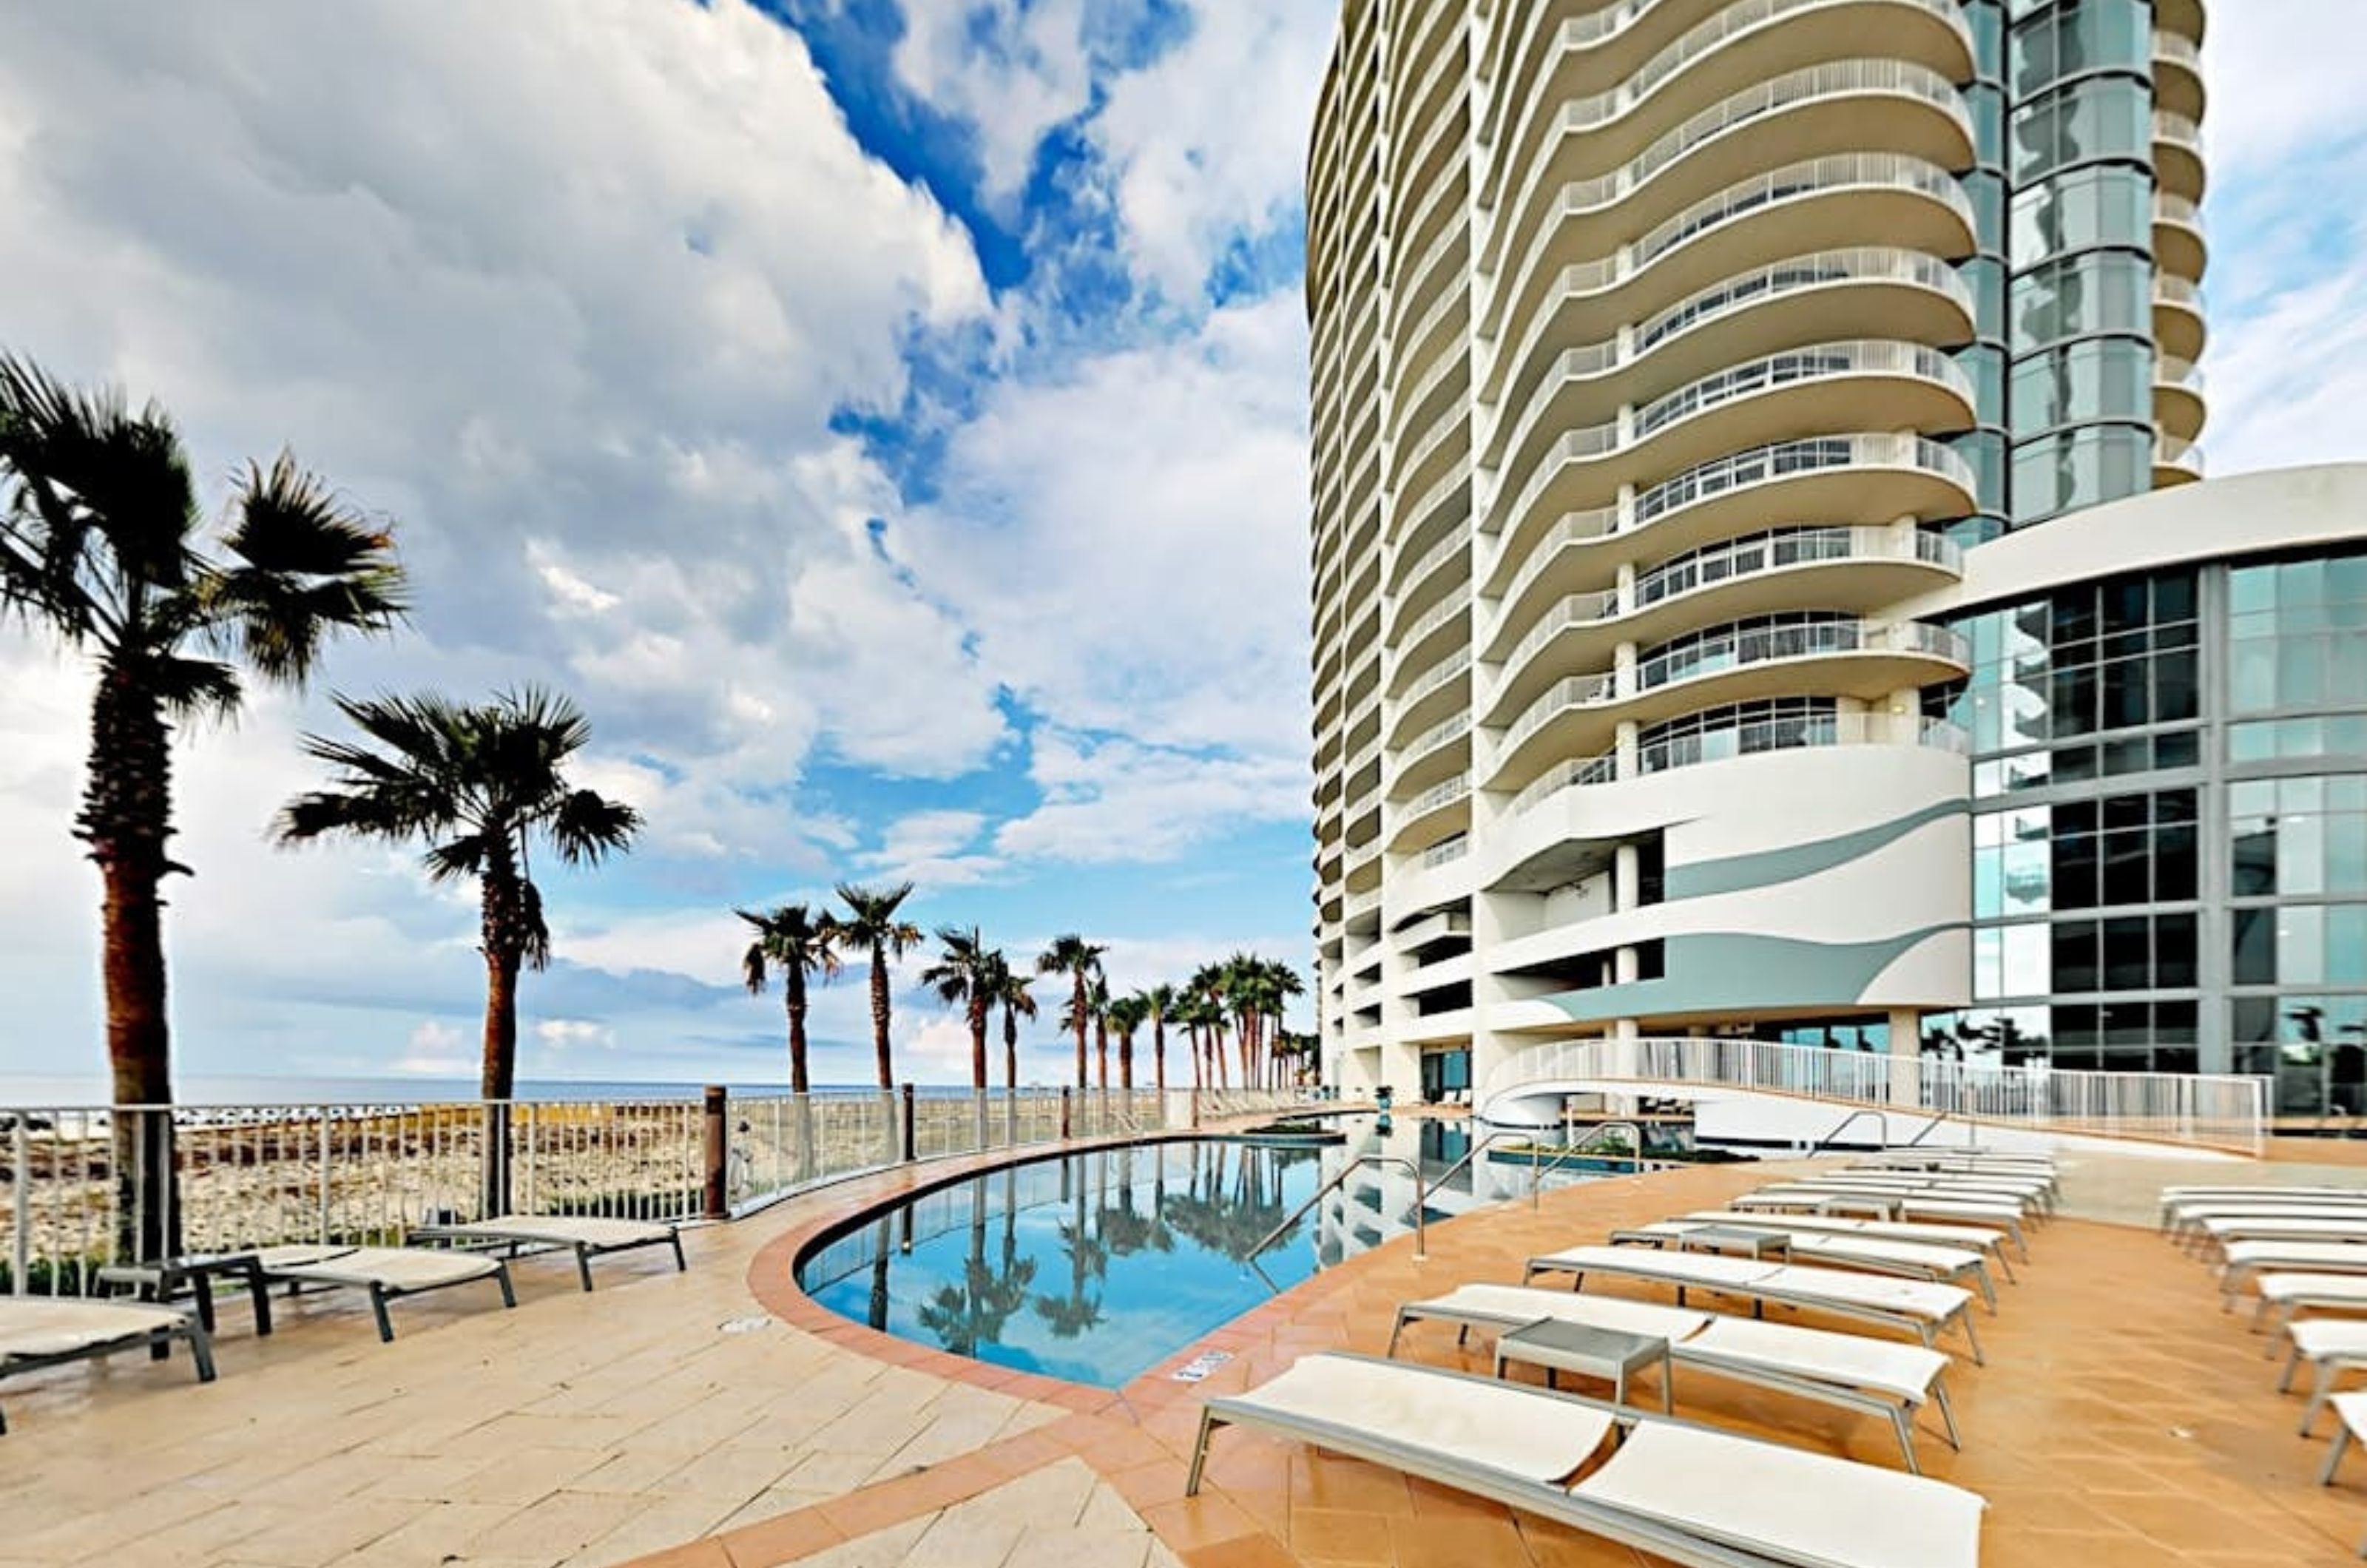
(1627, 886)
(1625, 748)
(1623, 666)
(1905, 1057)
(1626, 586)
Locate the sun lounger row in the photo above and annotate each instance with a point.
(39, 1332)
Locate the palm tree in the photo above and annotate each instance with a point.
(1202, 1017)
(964, 977)
(1079, 959)
(98, 546)
(1097, 998)
(871, 923)
(1126, 1014)
(793, 940)
(1208, 987)
(1010, 990)
(1159, 1002)
(479, 784)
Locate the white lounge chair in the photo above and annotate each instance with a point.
(2035, 1197)
(2332, 1345)
(2284, 1297)
(520, 1235)
(1790, 1197)
(2183, 1223)
(1972, 1239)
(48, 1331)
(1915, 1260)
(2225, 1230)
(1918, 1307)
(387, 1273)
(2351, 1421)
(1668, 1489)
(2245, 1259)
(1874, 1376)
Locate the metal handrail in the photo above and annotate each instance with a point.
(1572, 1150)
(1421, 1236)
(1882, 1117)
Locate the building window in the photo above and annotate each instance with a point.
(2298, 635)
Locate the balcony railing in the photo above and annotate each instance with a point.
(1796, 733)
(1838, 78)
(2194, 1109)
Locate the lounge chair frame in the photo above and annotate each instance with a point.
(487, 1236)
(383, 1294)
(158, 1342)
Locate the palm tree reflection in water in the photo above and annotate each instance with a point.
(970, 1316)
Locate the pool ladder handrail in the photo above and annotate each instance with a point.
(1421, 1235)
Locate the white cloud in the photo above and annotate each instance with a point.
(1210, 140)
(435, 1050)
(1129, 535)
(1013, 68)
(567, 1033)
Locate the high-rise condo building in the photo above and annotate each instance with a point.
(1761, 583)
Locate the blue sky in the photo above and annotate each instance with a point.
(886, 416)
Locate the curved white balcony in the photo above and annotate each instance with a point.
(1838, 107)
(1586, 60)
(2178, 83)
(2179, 242)
(1746, 739)
(1440, 812)
(1439, 271)
(1442, 568)
(1444, 686)
(1835, 385)
(2177, 401)
(1858, 479)
(1443, 749)
(2178, 328)
(1840, 656)
(1438, 504)
(1874, 198)
(1424, 637)
(1850, 567)
(2177, 154)
(1448, 438)
(1867, 291)
(2176, 462)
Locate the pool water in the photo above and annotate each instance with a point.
(1097, 1266)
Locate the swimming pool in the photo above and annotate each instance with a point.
(1097, 1266)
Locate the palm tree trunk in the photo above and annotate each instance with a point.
(498, 1077)
(793, 986)
(880, 1016)
(1010, 1049)
(1126, 1060)
(1077, 1012)
(127, 819)
(1158, 1056)
(1101, 1051)
(977, 1041)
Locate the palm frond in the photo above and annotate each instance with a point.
(537, 951)
(588, 825)
(193, 688)
(309, 567)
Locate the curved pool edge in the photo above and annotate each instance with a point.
(772, 1275)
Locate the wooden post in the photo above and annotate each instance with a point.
(718, 1205)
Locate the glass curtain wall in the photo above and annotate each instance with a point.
(2170, 829)
(2078, 150)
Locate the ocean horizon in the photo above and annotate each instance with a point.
(47, 1091)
